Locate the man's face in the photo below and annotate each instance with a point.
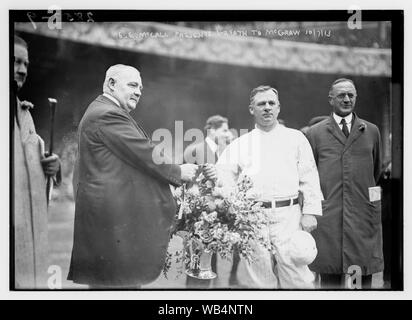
(222, 134)
(265, 109)
(127, 88)
(343, 98)
(21, 62)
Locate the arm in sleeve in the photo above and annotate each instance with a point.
(312, 142)
(309, 184)
(120, 135)
(377, 156)
(227, 168)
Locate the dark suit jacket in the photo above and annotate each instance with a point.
(124, 206)
(349, 231)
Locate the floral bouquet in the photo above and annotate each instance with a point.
(211, 222)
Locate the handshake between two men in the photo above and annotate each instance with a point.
(189, 171)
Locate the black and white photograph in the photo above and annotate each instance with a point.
(206, 150)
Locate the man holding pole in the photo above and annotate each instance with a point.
(31, 169)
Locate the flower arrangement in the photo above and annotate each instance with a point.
(210, 221)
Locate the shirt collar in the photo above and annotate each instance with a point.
(110, 97)
(276, 127)
(348, 118)
(212, 145)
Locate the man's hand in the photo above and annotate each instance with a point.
(51, 164)
(26, 104)
(209, 171)
(308, 222)
(188, 171)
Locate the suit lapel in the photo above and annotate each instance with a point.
(105, 100)
(141, 130)
(357, 129)
(209, 153)
(334, 130)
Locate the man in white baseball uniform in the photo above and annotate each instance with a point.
(280, 162)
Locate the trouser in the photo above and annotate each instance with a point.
(235, 263)
(337, 281)
(276, 270)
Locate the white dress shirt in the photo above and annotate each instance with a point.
(348, 120)
(280, 163)
(212, 145)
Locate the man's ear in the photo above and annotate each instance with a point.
(251, 109)
(211, 132)
(111, 83)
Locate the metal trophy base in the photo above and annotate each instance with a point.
(204, 271)
(202, 275)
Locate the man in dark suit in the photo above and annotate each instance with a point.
(218, 136)
(124, 206)
(347, 151)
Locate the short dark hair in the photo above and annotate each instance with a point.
(339, 81)
(20, 41)
(259, 89)
(215, 122)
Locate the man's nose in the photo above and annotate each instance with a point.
(22, 69)
(346, 98)
(267, 106)
(138, 92)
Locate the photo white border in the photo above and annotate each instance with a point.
(5, 293)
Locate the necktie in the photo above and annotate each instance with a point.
(344, 128)
(217, 154)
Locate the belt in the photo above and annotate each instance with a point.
(279, 204)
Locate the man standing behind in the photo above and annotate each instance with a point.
(280, 163)
(124, 206)
(347, 153)
(31, 168)
(218, 136)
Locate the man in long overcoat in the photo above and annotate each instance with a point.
(124, 206)
(347, 151)
(31, 167)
